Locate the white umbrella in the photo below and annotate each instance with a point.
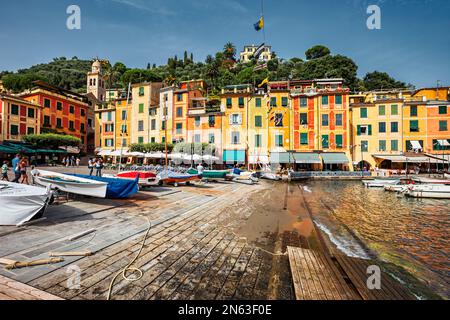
(157, 155)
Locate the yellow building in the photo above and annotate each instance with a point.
(144, 112)
(279, 115)
(249, 51)
(105, 127)
(235, 101)
(123, 124)
(165, 112)
(258, 130)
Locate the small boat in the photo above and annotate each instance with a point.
(436, 191)
(380, 183)
(146, 178)
(396, 188)
(70, 183)
(430, 181)
(115, 188)
(175, 178)
(211, 174)
(22, 203)
(270, 176)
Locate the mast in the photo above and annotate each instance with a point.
(126, 119)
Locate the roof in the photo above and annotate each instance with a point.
(18, 100)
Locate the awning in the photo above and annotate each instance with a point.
(231, 156)
(334, 158)
(50, 151)
(254, 159)
(104, 153)
(306, 158)
(403, 159)
(416, 145)
(444, 143)
(281, 157)
(4, 149)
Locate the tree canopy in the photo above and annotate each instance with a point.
(316, 52)
(52, 140)
(381, 80)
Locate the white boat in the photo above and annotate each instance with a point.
(396, 188)
(379, 183)
(437, 191)
(270, 176)
(20, 203)
(70, 184)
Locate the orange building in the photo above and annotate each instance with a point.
(63, 111)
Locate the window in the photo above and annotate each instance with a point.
(303, 139)
(241, 101)
(394, 145)
(258, 121)
(59, 106)
(278, 120)
(15, 109)
(14, 130)
(31, 113)
(339, 120)
(303, 119)
(273, 102)
(180, 112)
(211, 138)
(141, 108)
(141, 91)
(364, 130)
(82, 127)
(258, 102)
(72, 109)
(163, 125)
(382, 127)
(413, 111)
(109, 127)
(124, 115)
(197, 138)
(140, 139)
(303, 102)
(47, 103)
(394, 127)
(325, 141)
(179, 97)
(30, 130)
(437, 145)
(124, 142)
(212, 121)
(382, 145)
(381, 110)
(235, 119)
(284, 102)
(394, 110)
(153, 140)
(258, 141)
(197, 121)
(153, 124)
(339, 99)
(109, 142)
(71, 125)
(325, 120)
(324, 100)
(229, 102)
(179, 128)
(414, 126)
(364, 146)
(109, 115)
(363, 113)
(163, 139)
(278, 140)
(443, 125)
(58, 123)
(141, 125)
(124, 129)
(90, 123)
(339, 141)
(46, 120)
(82, 112)
(442, 109)
(152, 112)
(235, 137)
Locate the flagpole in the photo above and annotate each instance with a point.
(262, 15)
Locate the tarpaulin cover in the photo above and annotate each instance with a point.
(117, 188)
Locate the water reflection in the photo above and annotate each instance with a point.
(407, 232)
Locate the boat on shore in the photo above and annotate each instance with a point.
(380, 183)
(211, 174)
(435, 191)
(22, 203)
(175, 178)
(146, 178)
(115, 188)
(70, 184)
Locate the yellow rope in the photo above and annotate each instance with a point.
(128, 268)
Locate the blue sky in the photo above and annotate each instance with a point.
(413, 44)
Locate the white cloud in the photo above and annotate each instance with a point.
(155, 7)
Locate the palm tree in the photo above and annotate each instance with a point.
(229, 51)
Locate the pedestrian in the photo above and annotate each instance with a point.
(23, 164)
(200, 170)
(72, 161)
(16, 169)
(67, 162)
(91, 165)
(5, 171)
(64, 161)
(99, 167)
(78, 162)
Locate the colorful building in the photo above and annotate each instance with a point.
(279, 117)
(165, 119)
(105, 128)
(63, 111)
(258, 129)
(249, 51)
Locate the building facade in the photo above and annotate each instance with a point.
(249, 51)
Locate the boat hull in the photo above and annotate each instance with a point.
(429, 191)
(146, 179)
(70, 184)
(211, 174)
(116, 188)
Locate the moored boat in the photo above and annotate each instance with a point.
(70, 183)
(22, 203)
(175, 178)
(115, 188)
(379, 183)
(211, 174)
(146, 178)
(436, 191)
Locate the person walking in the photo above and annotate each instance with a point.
(78, 162)
(23, 164)
(200, 170)
(15, 165)
(99, 167)
(5, 171)
(91, 165)
(67, 162)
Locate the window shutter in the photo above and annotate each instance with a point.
(370, 129)
(359, 130)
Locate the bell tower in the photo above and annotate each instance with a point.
(95, 81)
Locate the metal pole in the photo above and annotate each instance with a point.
(126, 118)
(165, 136)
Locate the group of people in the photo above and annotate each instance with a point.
(19, 166)
(96, 164)
(71, 161)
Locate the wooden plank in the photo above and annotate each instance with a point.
(19, 291)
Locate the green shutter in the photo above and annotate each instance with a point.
(394, 145)
(370, 129)
(339, 140)
(394, 110)
(443, 125)
(358, 129)
(284, 101)
(363, 113)
(141, 108)
(338, 99)
(258, 102)
(303, 138)
(258, 121)
(442, 109)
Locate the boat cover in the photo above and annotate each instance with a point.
(20, 203)
(117, 188)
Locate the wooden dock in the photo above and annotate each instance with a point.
(13, 290)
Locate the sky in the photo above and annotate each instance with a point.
(413, 44)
